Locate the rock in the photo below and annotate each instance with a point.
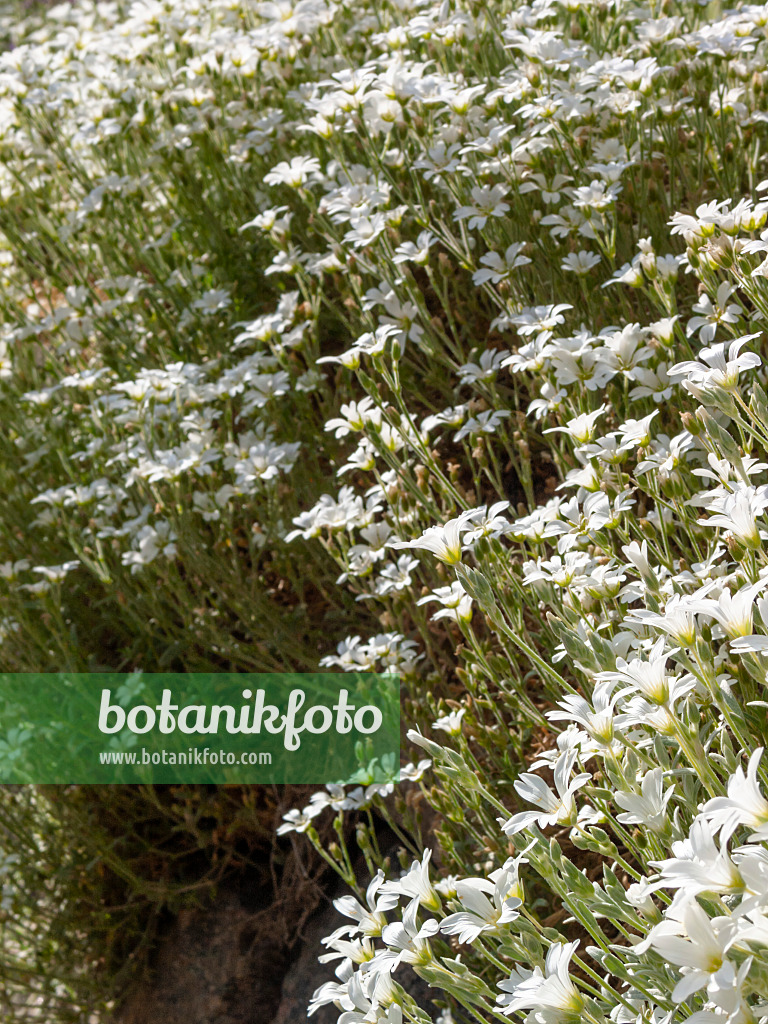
(216, 965)
(236, 961)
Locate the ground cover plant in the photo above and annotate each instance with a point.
(425, 337)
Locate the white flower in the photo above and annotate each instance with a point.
(713, 314)
(415, 252)
(354, 417)
(580, 262)
(415, 884)
(744, 804)
(649, 807)
(630, 274)
(737, 512)
(540, 320)
(557, 808)
(732, 611)
(479, 914)
(757, 644)
(582, 427)
(450, 723)
(487, 368)
(457, 604)
(486, 202)
(299, 821)
(701, 954)
(488, 522)
(295, 173)
(365, 230)
(550, 993)
(337, 798)
(483, 423)
(560, 571)
(495, 268)
(406, 942)
(443, 541)
(10, 570)
(677, 620)
(698, 865)
(596, 718)
(370, 919)
(596, 196)
(56, 573)
(265, 221)
(415, 772)
(704, 223)
(714, 370)
(396, 577)
(650, 678)
(212, 300)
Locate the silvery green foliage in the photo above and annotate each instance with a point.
(459, 244)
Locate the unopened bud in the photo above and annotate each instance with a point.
(691, 423)
(737, 550)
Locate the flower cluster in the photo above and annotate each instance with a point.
(424, 337)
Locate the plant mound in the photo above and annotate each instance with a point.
(425, 337)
